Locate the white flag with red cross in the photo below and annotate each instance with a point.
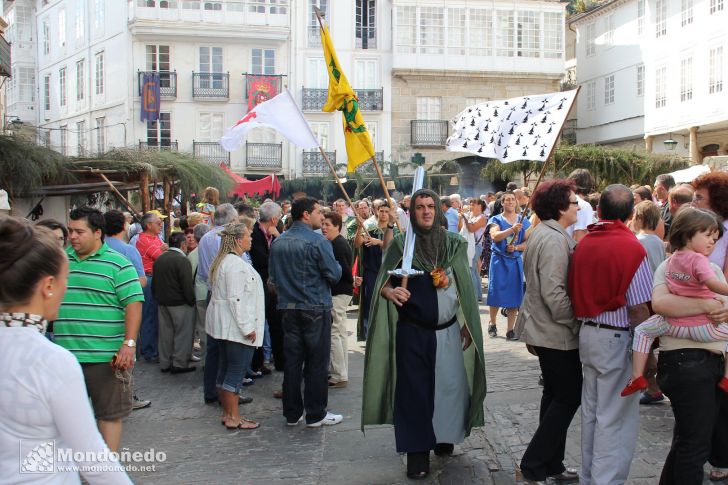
(280, 113)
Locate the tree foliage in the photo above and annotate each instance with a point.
(607, 165)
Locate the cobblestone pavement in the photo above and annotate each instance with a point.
(200, 450)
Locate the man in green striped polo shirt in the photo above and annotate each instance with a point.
(99, 320)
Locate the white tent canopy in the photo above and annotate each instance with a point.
(689, 174)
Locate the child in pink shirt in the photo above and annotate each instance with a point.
(688, 273)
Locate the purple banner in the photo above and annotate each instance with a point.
(150, 96)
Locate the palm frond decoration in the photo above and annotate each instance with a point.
(25, 166)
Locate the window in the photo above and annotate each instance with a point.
(609, 31)
(529, 34)
(428, 108)
(481, 32)
(278, 7)
(264, 61)
(46, 138)
(99, 15)
(80, 25)
(212, 5)
(661, 87)
(716, 6)
(641, 80)
(372, 129)
(99, 77)
(191, 4)
(504, 27)
(62, 87)
(609, 89)
(321, 130)
(366, 74)
(47, 92)
(640, 17)
(211, 126)
(79, 79)
(715, 70)
(591, 95)
(474, 101)
(686, 13)
(660, 18)
(406, 37)
(553, 35)
(316, 74)
(159, 133)
(456, 31)
(62, 28)
(81, 138)
(686, 79)
(366, 24)
(211, 62)
(100, 135)
(158, 60)
(46, 37)
(591, 47)
(146, 3)
(24, 84)
(64, 139)
(431, 30)
(314, 33)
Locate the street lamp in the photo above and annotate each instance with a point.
(670, 144)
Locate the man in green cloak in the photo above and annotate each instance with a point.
(424, 369)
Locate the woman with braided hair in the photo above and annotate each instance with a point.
(235, 318)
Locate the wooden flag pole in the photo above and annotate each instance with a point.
(336, 177)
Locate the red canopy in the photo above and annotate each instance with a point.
(269, 184)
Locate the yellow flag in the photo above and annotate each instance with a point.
(359, 146)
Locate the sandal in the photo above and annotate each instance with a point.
(717, 475)
(492, 331)
(245, 424)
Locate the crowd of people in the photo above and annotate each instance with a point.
(575, 272)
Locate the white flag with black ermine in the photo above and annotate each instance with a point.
(523, 128)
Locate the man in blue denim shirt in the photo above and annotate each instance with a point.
(302, 267)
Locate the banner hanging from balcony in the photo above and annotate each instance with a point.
(280, 113)
(261, 89)
(150, 96)
(524, 128)
(245, 187)
(359, 147)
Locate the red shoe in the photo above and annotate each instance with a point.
(634, 385)
(723, 384)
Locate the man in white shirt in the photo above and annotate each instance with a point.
(584, 186)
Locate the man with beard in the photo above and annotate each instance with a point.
(433, 390)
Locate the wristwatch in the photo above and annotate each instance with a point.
(130, 343)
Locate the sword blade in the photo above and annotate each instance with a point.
(409, 238)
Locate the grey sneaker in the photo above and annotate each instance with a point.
(329, 420)
(137, 403)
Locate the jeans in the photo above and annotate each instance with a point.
(149, 333)
(475, 271)
(234, 360)
(306, 346)
(689, 378)
(212, 361)
(267, 349)
(561, 398)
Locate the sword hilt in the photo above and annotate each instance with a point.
(405, 273)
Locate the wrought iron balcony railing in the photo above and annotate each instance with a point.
(315, 165)
(211, 85)
(211, 152)
(366, 37)
(429, 133)
(158, 145)
(369, 99)
(264, 155)
(167, 83)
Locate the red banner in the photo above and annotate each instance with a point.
(261, 89)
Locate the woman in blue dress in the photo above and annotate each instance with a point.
(505, 274)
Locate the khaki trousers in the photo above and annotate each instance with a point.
(339, 348)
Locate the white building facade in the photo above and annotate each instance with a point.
(667, 63)
(20, 89)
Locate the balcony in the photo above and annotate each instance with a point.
(211, 85)
(429, 133)
(315, 165)
(264, 155)
(369, 99)
(210, 152)
(167, 83)
(366, 37)
(158, 145)
(4, 57)
(222, 12)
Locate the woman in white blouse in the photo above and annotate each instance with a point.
(44, 406)
(235, 317)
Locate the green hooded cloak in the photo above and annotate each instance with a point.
(380, 364)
